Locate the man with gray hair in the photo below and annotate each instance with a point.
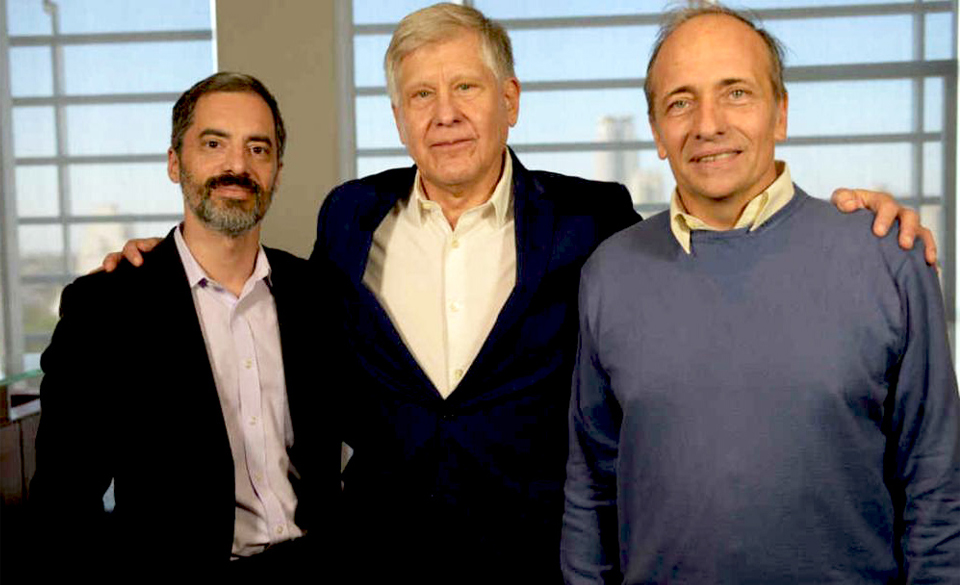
(458, 279)
(784, 408)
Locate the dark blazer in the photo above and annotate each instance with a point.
(471, 487)
(128, 394)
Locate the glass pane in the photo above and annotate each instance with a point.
(385, 11)
(135, 67)
(123, 188)
(120, 128)
(502, 9)
(375, 125)
(939, 42)
(37, 188)
(41, 249)
(812, 3)
(368, 51)
(589, 53)
(933, 169)
(820, 169)
(370, 165)
(31, 72)
(82, 16)
(581, 116)
(41, 308)
(90, 242)
(933, 104)
(645, 175)
(27, 18)
(932, 217)
(862, 39)
(34, 131)
(850, 107)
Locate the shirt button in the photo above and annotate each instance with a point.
(279, 529)
(248, 363)
(458, 373)
(455, 243)
(253, 421)
(455, 306)
(258, 477)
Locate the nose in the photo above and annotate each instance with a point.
(709, 120)
(235, 159)
(447, 111)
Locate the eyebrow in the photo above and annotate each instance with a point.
(723, 83)
(223, 134)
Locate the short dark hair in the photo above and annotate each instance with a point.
(675, 18)
(225, 81)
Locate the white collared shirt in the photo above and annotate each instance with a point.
(757, 211)
(443, 288)
(243, 344)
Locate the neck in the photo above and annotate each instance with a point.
(454, 200)
(228, 260)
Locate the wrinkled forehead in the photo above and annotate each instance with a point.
(727, 45)
(459, 49)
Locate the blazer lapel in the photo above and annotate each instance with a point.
(534, 225)
(389, 345)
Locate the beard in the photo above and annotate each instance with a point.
(226, 216)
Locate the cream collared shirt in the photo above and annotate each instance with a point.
(756, 213)
(443, 288)
(243, 344)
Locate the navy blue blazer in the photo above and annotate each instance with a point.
(129, 395)
(470, 487)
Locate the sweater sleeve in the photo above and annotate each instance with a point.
(923, 463)
(589, 542)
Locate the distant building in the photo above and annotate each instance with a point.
(623, 166)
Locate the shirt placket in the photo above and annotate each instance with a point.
(252, 414)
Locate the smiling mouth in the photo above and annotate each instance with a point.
(720, 156)
(452, 143)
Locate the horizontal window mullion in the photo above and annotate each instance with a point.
(654, 18)
(805, 73)
(105, 38)
(90, 159)
(650, 145)
(100, 99)
(87, 219)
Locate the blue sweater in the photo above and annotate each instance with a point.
(777, 407)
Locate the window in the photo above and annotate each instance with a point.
(873, 94)
(86, 90)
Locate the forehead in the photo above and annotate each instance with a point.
(461, 53)
(241, 112)
(711, 47)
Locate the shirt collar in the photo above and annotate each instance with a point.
(197, 276)
(501, 201)
(760, 209)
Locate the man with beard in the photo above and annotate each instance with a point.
(196, 422)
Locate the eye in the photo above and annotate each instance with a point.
(677, 105)
(738, 93)
(465, 86)
(259, 149)
(421, 94)
(211, 143)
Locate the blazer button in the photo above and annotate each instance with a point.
(448, 416)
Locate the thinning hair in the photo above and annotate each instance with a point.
(674, 19)
(224, 81)
(443, 22)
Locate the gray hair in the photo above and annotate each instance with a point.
(677, 17)
(442, 22)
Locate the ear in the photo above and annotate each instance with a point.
(173, 165)
(780, 130)
(398, 120)
(661, 148)
(511, 96)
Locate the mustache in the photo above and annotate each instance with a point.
(243, 181)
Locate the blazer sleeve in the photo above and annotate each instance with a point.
(74, 462)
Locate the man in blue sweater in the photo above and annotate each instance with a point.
(781, 406)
